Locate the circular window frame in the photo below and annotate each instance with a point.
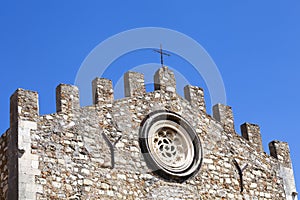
(153, 129)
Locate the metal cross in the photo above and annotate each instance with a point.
(160, 51)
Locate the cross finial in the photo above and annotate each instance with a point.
(160, 51)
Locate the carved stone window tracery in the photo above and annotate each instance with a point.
(170, 146)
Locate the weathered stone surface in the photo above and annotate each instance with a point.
(67, 98)
(281, 151)
(3, 166)
(223, 114)
(134, 84)
(164, 79)
(94, 153)
(102, 91)
(195, 96)
(251, 132)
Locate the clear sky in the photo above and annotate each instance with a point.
(255, 45)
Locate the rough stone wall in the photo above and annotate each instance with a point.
(223, 113)
(281, 151)
(134, 84)
(195, 96)
(75, 159)
(22, 164)
(251, 132)
(3, 166)
(93, 152)
(72, 167)
(71, 155)
(164, 79)
(225, 153)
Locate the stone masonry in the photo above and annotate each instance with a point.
(93, 152)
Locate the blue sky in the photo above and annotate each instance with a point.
(255, 45)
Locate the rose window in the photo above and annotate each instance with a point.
(170, 146)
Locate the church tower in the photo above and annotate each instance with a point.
(148, 145)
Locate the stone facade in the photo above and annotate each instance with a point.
(94, 152)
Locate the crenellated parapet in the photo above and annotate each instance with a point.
(99, 150)
(21, 163)
(24, 104)
(195, 95)
(67, 98)
(164, 79)
(103, 92)
(251, 132)
(281, 151)
(223, 114)
(134, 84)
